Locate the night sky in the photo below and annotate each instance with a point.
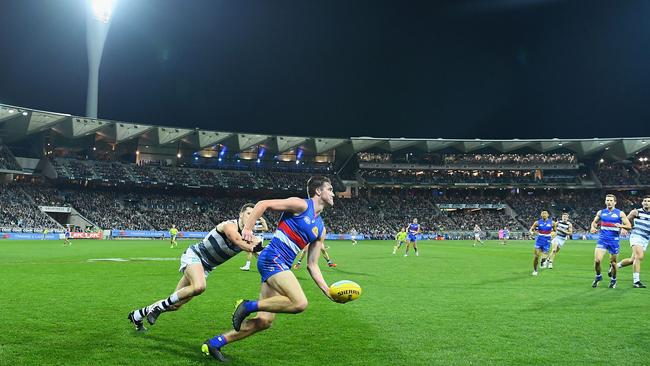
(340, 68)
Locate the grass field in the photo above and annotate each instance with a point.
(454, 304)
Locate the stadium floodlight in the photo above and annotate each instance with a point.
(102, 9)
(97, 23)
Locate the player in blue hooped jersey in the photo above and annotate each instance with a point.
(411, 238)
(544, 228)
(300, 225)
(611, 220)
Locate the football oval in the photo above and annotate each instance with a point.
(344, 291)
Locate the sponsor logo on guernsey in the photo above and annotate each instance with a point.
(315, 231)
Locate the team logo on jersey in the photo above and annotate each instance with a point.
(315, 231)
(614, 215)
(307, 221)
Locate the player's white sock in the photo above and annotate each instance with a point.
(248, 264)
(141, 313)
(168, 302)
(619, 265)
(636, 276)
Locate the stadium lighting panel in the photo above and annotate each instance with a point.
(102, 9)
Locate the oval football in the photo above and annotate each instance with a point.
(344, 291)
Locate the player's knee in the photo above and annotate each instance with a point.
(300, 306)
(263, 323)
(597, 261)
(198, 289)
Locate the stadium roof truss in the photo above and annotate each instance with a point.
(17, 123)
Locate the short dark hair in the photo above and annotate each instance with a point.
(611, 195)
(244, 207)
(646, 196)
(316, 182)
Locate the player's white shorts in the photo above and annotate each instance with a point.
(189, 257)
(477, 236)
(638, 240)
(558, 241)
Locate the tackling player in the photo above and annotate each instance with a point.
(638, 240)
(563, 230)
(544, 228)
(611, 221)
(222, 243)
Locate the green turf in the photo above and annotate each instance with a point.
(455, 304)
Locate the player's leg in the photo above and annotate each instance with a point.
(327, 258)
(536, 255)
(408, 245)
(262, 321)
(415, 248)
(191, 284)
(598, 257)
(247, 266)
(637, 258)
(395, 247)
(613, 256)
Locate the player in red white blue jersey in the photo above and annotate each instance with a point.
(300, 225)
(544, 228)
(611, 220)
(413, 229)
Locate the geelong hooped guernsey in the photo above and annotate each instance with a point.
(258, 230)
(642, 224)
(562, 229)
(544, 228)
(215, 249)
(295, 232)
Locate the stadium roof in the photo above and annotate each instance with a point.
(17, 123)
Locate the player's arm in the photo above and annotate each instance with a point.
(570, 229)
(554, 229)
(625, 225)
(294, 204)
(632, 215)
(533, 228)
(594, 223)
(230, 229)
(313, 254)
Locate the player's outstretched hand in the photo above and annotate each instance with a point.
(247, 234)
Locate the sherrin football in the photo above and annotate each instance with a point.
(344, 291)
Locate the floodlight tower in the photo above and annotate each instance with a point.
(98, 21)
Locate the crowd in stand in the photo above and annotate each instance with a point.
(644, 173)
(501, 159)
(378, 213)
(374, 157)
(434, 177)
(19, 212)
(7, 160)
(165, 175)
(616, 175)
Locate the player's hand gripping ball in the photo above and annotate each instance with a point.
(345, 291)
